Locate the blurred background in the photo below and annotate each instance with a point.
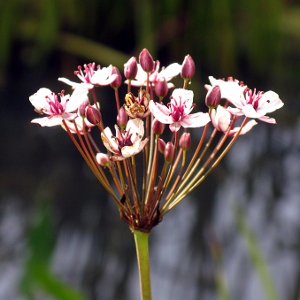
(237, 237)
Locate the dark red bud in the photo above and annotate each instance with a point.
(158, 127)
(185, 141)
(122, 118)
(93, 115)
(161, 145)
(188, 68)
(161, 87)
(130, 68)
(118, 80)
(169, 152)
(213, 97)
(146, 61)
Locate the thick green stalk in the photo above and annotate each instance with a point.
(142, 252)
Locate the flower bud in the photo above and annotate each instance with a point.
(117, 82)
(158, 127)
(188, 68)
(161, 145)
(161, 87)
(122, 118)
(185, 141)
(213, 97)
(102, 159)
(93, 115)
(130, 68)
(82, 107)
(146, 61)
(169, 152)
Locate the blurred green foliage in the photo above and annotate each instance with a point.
(226, 36)
(38, 279)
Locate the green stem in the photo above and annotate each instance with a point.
(142, 252)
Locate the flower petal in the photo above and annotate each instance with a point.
(195, 120)
(170, 71)
(48, 121)
(269, 102)
(74, 84)
(78, 96)
(160, 112)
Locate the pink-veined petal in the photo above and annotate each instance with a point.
(195, 120)
(38, 100)
(269, 102)
(267, 119)
(78, 96)
(220, 118)
(48, 121)
(170, 71)
(74, 84)
(109, 141)
(248, 126)
(175, 126)
(160, 112)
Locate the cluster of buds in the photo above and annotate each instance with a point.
(143, 164)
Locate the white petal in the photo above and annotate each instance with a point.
(78, 96)
(74, 84)
(38, 100)
(195, 120)
(48, 121)
(269, 102)
(160, 112)
(170, 71)
(108, 141)
(136, 127)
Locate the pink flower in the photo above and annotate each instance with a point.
(221, 119)
(126, 143)
(177, 113)
(230, 89)
(47, 103)
(168, 73)
(90, 76)
(248, 102)
(256, 105)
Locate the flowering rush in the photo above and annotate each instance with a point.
(142, 163)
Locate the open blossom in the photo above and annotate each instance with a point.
(230, 89)
(248, 102)
(221, 119)
(256, 105)
(91, 75)
(125, 143)
(137, 107)
(178, 111)
(168, 73)
(47, 103)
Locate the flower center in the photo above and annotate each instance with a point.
(123, 138)
(56, 108)
(253, 98)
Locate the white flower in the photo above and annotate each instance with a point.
(90, 77)
(178, 112)
(47, 103)
(168, 73)
(126, 143)
(248, 102)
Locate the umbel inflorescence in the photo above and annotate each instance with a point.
(142, 163)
